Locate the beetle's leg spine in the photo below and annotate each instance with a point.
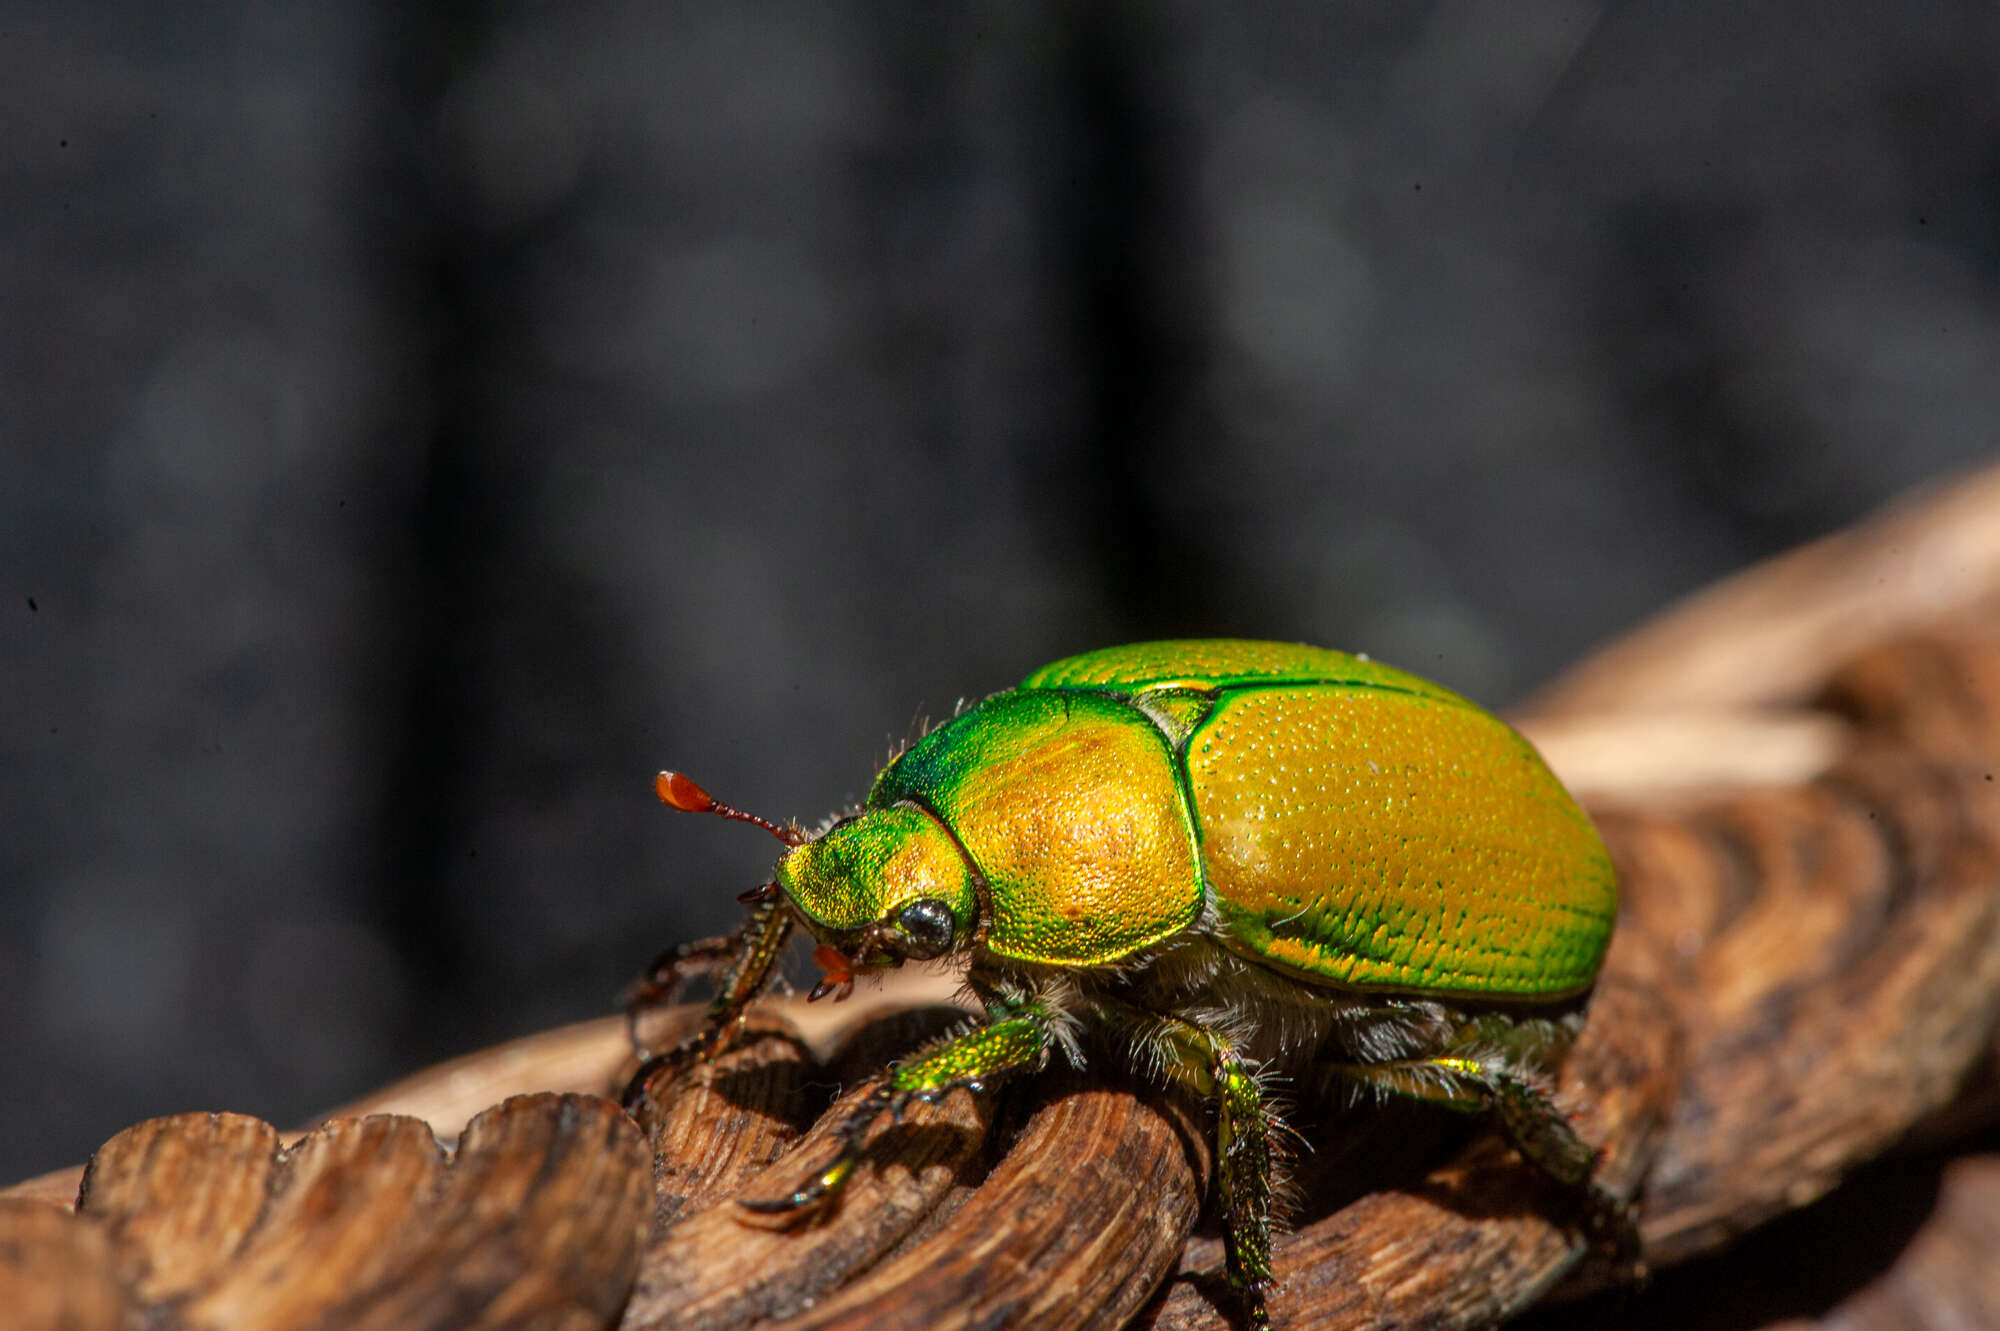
(759, 945)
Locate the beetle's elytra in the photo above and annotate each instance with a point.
(1231, 860)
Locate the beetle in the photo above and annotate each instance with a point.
(1233, 861)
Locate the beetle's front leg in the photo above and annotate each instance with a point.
(1016, 1038)
(669, 974)
(758, 948)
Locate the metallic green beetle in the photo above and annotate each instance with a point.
(1234, 861)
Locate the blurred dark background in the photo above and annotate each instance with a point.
(418, 424)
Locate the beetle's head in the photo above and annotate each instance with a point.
(880, 889)
(888, 886)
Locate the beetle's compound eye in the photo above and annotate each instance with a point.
(927, 927)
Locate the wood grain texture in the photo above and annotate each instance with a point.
(718, 1267)
(540, 1223)
(536, 1220)
(726, 1121)
(178, 1195)
(57, 1272)
(1843, 945)
(344, 1208)
(1076, 1227)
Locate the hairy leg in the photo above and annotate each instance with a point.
(1020, 1028)
(1208, 1063)
(1493, 1064)
(669, 974)
(1525, 1112)
(757, 948)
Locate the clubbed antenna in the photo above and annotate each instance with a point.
(678, 792)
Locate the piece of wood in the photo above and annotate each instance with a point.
(1076, 1227)
(57, 1271)
(58, 1187)
(1795, 774)
(1843, 941)
(178, 1195)
(343, 1211)
(727, 1120)
(540, 1223)
(204, 1222)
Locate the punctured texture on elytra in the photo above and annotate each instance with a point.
(1362, 826)
(1383, 840)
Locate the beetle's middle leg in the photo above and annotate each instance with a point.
(1479, 1063)
(1021, 1028)
(1208, 1063)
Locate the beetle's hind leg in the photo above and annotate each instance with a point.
(1490, 1066)
(1524, 1112)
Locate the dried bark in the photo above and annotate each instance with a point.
(1798, 784)
(203, 1221)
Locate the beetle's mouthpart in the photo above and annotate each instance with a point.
(839, 968)
(874, 948)
(679, 792)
